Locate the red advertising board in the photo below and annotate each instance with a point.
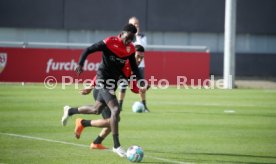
(35, 64)
(192, 66)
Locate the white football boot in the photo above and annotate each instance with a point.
(65, 116)
(120, 151)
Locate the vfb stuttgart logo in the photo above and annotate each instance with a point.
(3, 61)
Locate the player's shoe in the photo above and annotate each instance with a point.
(78, 127)
(65, 116)
(146, 110)
(97, 146)
(120, 151)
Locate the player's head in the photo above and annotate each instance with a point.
(135, 21)
(139, 55)
(128, 33)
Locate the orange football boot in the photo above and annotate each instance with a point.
(78, 127)
(97, 146)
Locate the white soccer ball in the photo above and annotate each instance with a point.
(135, 153)
(138, 107)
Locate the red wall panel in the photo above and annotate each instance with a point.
(35, 64)
(169, 65)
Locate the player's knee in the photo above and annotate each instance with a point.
(115, 111)
(108, 120)
(95, 111)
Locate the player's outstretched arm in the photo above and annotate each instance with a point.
(134, 67)
(99, 46)
(79, 70)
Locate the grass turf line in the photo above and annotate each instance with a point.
(185, 125)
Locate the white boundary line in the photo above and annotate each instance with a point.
(43, 139)
(81, 145)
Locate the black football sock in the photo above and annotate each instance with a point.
(73, 111)
(116, 141)
(98, 140)
(121, 104)
(144, 102)
(86, 123)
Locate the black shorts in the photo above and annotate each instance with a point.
(106, 113)
(142, 71)
(103, 96)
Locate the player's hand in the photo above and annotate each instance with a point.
(79, 70)
(148, 87)
(86, 91)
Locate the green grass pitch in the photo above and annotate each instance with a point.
(184, 126)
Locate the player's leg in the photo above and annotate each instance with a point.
(122, 94)
(114, 124)
(121, 98)
(97, 143)
(105, 132)
(143, 100)
(112, 103)
(86, 109)
(143, 94)
(80, 124)
(91, 109)
(114, 120)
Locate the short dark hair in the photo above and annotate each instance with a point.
(130, 28)
(139, 48)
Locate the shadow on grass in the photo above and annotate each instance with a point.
(182, 157)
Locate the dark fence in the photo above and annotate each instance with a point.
(253, 16)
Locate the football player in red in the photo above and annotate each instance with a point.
(116, 51)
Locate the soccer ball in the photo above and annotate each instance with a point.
(135, 153)
(138, 107)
